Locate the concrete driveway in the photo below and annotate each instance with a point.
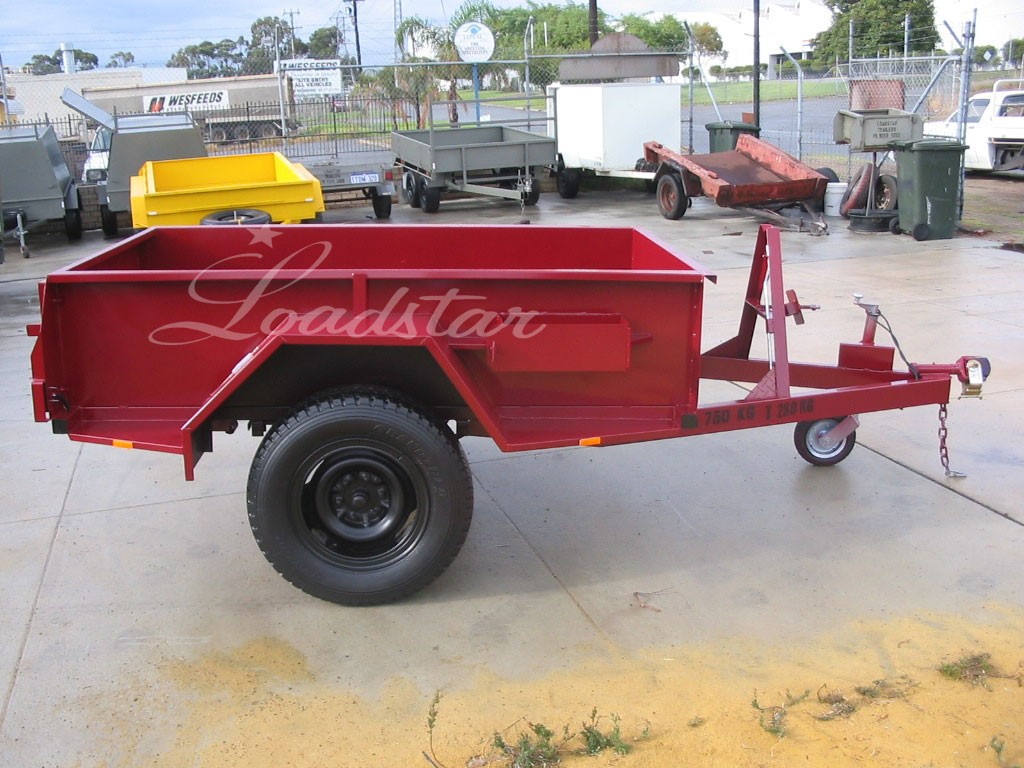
(662, 582)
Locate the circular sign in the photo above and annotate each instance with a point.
(474, 42)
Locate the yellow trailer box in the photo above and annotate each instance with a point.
(175, 192)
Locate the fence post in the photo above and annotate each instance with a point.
(799, 105)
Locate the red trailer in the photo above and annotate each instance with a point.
(361, 355)
(756, 177)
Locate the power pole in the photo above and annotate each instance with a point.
(341, 33)
(354, 12)
(592, 21)
(397, 13)
(757, 62)
(849, 54)
(291, 21)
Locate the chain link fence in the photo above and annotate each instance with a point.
(928, 86)
(797, 110)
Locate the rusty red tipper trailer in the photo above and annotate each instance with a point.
(362, 353)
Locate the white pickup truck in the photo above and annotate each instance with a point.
(995, 129)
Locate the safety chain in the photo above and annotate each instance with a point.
(943, 449)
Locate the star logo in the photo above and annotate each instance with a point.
(262, 235)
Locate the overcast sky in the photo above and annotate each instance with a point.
(153, 31)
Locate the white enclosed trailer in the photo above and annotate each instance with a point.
(602, 128)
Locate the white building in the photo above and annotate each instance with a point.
(39, 95)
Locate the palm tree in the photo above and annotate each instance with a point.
(415, 35)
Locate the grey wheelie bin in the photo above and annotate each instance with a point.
(928, 173)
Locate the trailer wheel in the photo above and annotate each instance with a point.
(108, 221)
(672, 200)
(886, 193)
(246, 217)
(856, 195)
(567, 181)
(410, 189)
(73, 224)
(808, 440)
(828, 173)
(360, 498)
(430, 198)
(533, 196)
(381, 204)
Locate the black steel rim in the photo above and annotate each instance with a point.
(359, 506)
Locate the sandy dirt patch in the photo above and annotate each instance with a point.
(867, 694)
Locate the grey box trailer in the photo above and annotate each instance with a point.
(37, 184)
(124, 144)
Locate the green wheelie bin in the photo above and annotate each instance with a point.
(928, 186)
(722, 137)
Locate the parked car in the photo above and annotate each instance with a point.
(995, 129)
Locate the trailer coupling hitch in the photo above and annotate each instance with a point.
(972, 372)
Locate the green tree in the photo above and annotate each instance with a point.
(878, 26)
(665, 34)
(208, 59)
(41, 64)
(121, 59)
(270, 37)
(323, 43)
(985, 55)
(1013, 51)
(707, 42)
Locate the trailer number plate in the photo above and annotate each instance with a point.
(365, 178)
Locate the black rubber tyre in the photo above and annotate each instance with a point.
(246, 217)
(807, 436)
(360, 498)
(894, 225)
(533, 196)
(73, 224)
(886, 193)
(828, 173)
(567, 181)
(108, 221)
(921, 232)
(410, 189)
(381, 205)
(430, 198)
(856, 195)
(672, 200)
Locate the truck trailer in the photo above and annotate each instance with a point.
(225, 108)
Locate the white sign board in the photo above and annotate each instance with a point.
(313, 77)
(474, 42)
(190, 101)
